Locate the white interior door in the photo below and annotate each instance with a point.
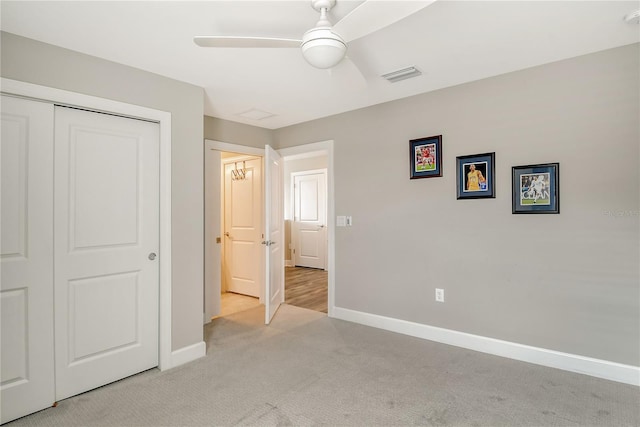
(310, 219)
(26, 258)
(242, 265)
(274, 236)
(107, 237)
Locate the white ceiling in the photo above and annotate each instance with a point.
(451, 42)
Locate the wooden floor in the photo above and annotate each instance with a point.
(231, 303)
(306, 288)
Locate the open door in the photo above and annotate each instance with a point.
(274, 233)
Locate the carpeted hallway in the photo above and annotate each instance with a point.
(307, 369)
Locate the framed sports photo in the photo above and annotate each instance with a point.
(475, 176)
(536, 189)
(426, 157)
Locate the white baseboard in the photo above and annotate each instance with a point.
(627, 374)
(188, 354)
(289, 263)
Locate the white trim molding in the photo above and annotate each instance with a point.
(188, 354)
(93, 103)
(233, 148)
(613, 371)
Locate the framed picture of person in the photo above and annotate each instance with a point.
(475, 176)
(426, 157)
(536, 189)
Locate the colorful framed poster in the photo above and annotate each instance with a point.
(536, 189)
(426, 157)
(475, 176)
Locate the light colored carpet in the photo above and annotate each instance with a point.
(306, 369)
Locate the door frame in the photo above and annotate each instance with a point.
(62, 97)
(212, 286)
(305, 150)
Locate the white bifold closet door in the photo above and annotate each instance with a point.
(26, 258)
(106, 248)
(79, 252)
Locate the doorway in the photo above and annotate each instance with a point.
(243, 233)
(214, 222)
(306, 274)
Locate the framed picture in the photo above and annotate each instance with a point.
(536, 189)
(426, 157)
(475, 176)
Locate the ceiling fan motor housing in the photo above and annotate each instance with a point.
(318, 5)
(322, 48)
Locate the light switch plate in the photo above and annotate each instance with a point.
(341, 221)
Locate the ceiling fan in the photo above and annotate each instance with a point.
(324, 46)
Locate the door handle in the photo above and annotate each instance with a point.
(152, 256)
(321, 226)
(227, 234)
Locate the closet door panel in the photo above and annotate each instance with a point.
(106, 250)
(26, 258)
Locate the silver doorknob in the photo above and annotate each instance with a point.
(152, 256)
(226, 234)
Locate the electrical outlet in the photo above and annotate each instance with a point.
(439, 295)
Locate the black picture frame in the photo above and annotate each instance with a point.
(475, 176)
(426, 157)
(536, 189)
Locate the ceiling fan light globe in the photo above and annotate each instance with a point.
(322, 48)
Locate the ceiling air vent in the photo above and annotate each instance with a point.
(405, 73)
(255, 114)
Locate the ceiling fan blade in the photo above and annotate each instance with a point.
(244, 42)
(373, 15)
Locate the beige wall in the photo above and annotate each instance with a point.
(34, 62)
(221, 130)
(567, 282)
